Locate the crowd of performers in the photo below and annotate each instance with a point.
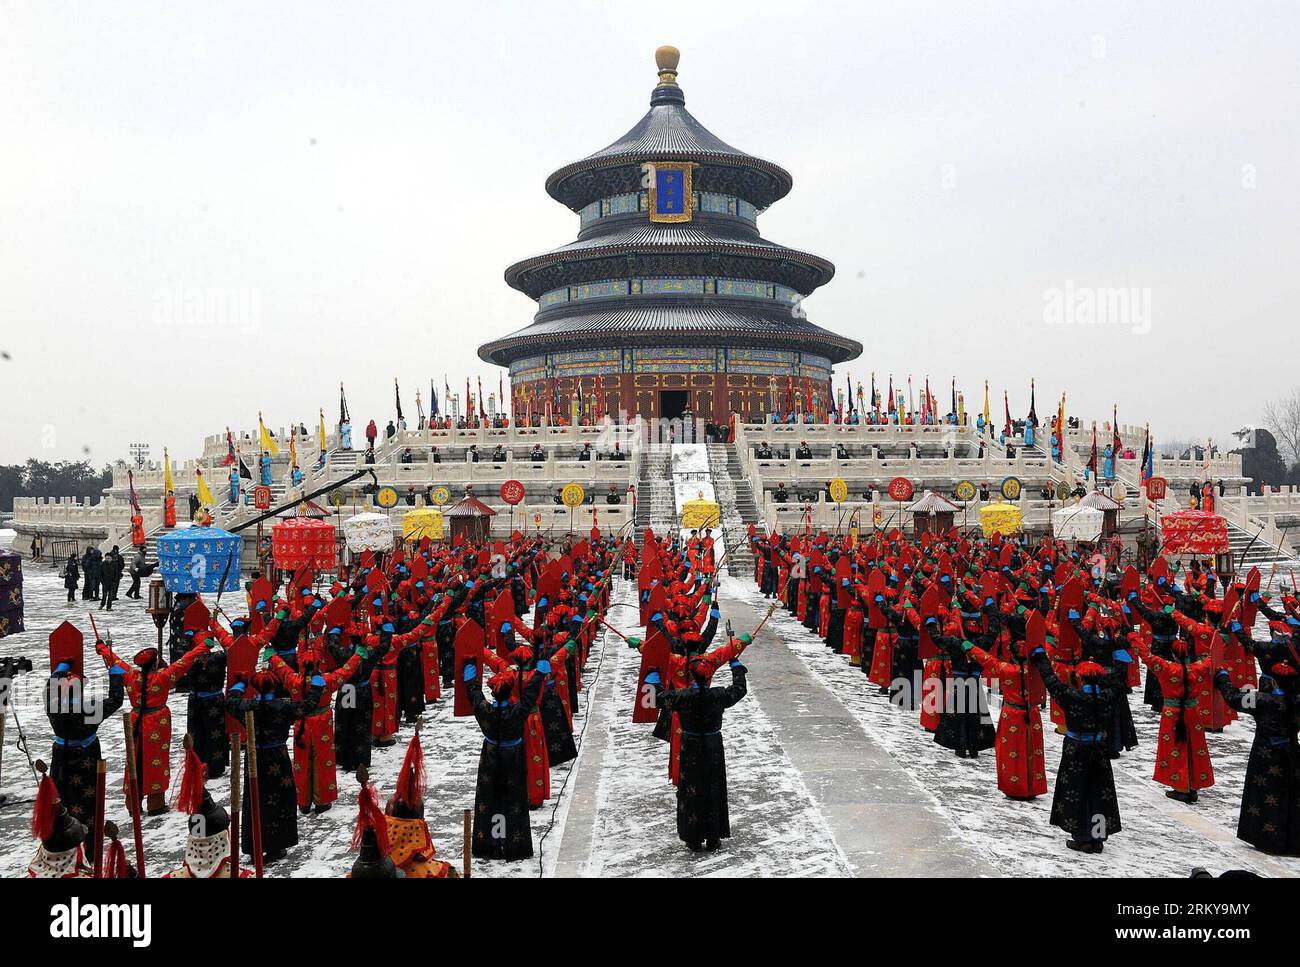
(307, 681)
(935, 623)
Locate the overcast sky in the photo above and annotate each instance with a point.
(342, 185)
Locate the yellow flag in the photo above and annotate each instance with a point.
(267, 441)
(323, 446)
(201, 489)
(986, 402)
(293, 447)
(169, 485)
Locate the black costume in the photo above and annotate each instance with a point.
(501, 827)
(702, 816)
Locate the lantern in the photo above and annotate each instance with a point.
(196, 559)
(1000, 518)
(368, 532)
(303, 543)
(11, 593)
(422, 523)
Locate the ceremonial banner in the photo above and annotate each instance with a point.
(11, 593)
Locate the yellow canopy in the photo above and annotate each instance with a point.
(1002, 518)
(424, 522)
(700, 513)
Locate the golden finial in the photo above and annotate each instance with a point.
(666, 59)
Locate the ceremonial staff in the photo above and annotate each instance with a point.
(133, 792)
(254, 797)
(235, 790)
(101, 774)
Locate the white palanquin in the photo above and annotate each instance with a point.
(1079, 523)
(368, 532)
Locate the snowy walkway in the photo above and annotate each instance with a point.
(1160, 837)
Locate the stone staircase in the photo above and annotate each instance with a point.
(655, 507)
(1261, 555)
(735, 498)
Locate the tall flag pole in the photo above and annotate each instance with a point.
(265, 438)
(1006, 406)
(1060, 431)
(324, 443)
(988, 421)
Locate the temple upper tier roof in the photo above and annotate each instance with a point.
(668, 132)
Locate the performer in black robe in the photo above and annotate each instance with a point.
(1270, 797)
(1084, 802)
(1113, 654)
(501, 828)
(285, 640)
(354, 702)
(965, 725)
(702, 818)
(74, 719)
(205, 711)
(273, 717)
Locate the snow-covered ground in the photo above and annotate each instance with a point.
(804, 745)
(1160, 837)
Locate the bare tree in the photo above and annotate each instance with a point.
(1283, 417)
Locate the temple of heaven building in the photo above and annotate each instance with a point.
(669, 301)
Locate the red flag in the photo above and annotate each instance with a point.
(1007, 407)
(1092, 461)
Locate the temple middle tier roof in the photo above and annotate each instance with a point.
(704, 247)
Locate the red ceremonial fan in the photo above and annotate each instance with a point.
(468, 649)
(1070, 599)
(876, 583)
(68, 645)
(1249, 610)
(241, 662)
(197, 617)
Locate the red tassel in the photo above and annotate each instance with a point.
(115, 865)
(370, 816)
(189, 794)
(410, 781)
(47, 804)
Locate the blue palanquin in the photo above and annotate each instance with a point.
(194, 559)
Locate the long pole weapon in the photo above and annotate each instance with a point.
(101, 775)
(133, 793)
(254, 798)
(236, 788)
